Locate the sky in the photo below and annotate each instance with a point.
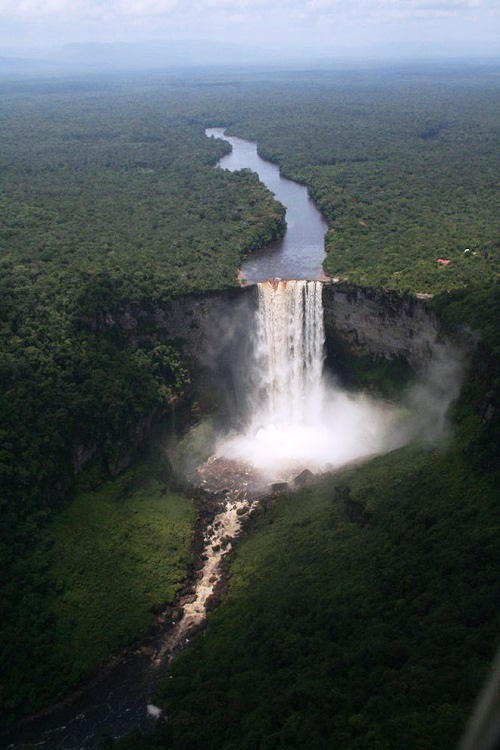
(297, 27)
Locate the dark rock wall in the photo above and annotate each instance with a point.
(379, 324)
(210, 325)
(201, 322)
(214, 331)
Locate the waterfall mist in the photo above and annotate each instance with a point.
(297, 418)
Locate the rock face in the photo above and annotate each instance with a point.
(205, 323)
(212, 331)
(215, 327)
(215, 333)
(380, 324)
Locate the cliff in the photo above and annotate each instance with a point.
(213, 332)
(204, 325)
(379, 324)
(211, 325)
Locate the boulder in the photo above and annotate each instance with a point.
(303, 479)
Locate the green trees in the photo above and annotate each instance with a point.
(403, 169)
(340, 632)
(105, 203)
(365, 632)
(108, 197)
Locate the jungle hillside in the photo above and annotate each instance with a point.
(364, 628)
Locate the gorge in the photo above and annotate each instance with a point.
(273, 384)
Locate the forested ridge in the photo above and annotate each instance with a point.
(363, 628)
(361, 613)
(108, 197)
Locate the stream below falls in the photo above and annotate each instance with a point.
(119, 699)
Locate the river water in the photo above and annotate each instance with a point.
(300, 254)
(118, 700)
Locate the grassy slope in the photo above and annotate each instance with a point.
(117, 553)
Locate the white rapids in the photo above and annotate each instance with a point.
(217, 543)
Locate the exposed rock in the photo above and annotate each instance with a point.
(279, 487)
(362, 320)
(304, 478)
(199, 320)
(82, 454)
(211, 602)
(375, 322)
(189, 599)
(379, 323)
(122, 461)
(355, 511)
(224, 476)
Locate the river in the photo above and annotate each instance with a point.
(117, 700)
(300, 254)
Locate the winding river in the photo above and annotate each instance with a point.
(118, 700)
(300, 254)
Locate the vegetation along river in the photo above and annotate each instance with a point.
(300, 254)
(119, 699)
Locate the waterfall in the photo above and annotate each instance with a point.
(290, 345)
(298, 419)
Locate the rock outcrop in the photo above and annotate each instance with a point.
(380, 324)
(216, 325)
(205, 324)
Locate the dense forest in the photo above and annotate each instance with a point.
(404, 172)
(108, 197)
(366, 628)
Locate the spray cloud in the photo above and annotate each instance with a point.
(298, 420)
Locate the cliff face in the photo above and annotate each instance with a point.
(214, 334)
(214, 329)
(379, 324)
(204, 324)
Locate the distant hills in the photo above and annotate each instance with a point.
(83, 57)
(93, 56)
(168, 53)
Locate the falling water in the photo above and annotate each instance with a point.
(298, 419)
(290, 346)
